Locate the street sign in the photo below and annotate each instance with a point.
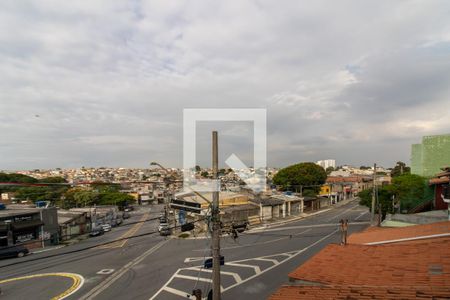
(186, 206)
(209, 262)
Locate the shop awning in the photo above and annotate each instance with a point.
(26, 224)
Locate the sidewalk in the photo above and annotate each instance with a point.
(290, 219)
(45, 249)
(286, 220)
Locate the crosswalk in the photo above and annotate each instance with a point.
(233, 273)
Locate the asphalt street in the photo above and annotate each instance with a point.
(153, 267)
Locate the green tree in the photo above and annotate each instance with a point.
(409, 190)
(307, 174)
(400, 169)
(384, 198)
(329, 170)
(204, 174)
(197, 168)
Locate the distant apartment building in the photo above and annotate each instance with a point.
(327, 163)
(431, 155)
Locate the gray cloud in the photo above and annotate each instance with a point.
(358, 81)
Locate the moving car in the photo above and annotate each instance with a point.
(106, 227)
(13, 251)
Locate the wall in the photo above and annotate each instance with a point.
(428, 158)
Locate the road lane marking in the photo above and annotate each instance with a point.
(274, 261)
(177, 292)
(345, 211)
(362, 214)
(78, 282)
(192, 259)
(307, 226)
(105, 271)
(244, 263)
(256, 268)
(113, 278)
(236, 276)
(270, 268)
(123, 239)
(256, 244)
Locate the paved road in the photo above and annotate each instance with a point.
(151, 267)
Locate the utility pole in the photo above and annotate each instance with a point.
(373, 193)
(215, 221)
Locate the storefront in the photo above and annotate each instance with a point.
(20, 227)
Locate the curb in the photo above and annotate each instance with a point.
(45, 250)
(280, 223)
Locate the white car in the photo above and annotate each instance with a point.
(106, 227)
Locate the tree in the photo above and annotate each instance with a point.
(409, 190)
(204, 174)
(308, 175)
(400, 169)
(364, 168)
(329, 170)
(197, 168)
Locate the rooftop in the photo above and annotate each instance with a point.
(385, 234)
(393, 268)
(358, 292)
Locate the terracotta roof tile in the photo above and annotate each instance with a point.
(419, 264)
(377, 234)
(359, 292)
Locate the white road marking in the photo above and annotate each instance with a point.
(192, 259)
(270, 268)
(105, 271)
(236, 276)
(176, 292)
(362, 214)
(245, 263)
(308, 226)
(274, 261)
(345, 211)
(260, 243)
(113, 278)
(256, 268)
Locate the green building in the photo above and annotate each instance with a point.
(428, 158)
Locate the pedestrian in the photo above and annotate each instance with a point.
(344, 228)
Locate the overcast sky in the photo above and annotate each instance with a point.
(104, 83)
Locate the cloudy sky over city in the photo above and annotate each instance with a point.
(104, 83)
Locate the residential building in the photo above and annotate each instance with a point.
(72, 224)
(441, 183)
(28, 225)
(327, 163)
(428, 157)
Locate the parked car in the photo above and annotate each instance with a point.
(13, 251)
(106, 227)
(165, 231)
(97, 231)
(163, 224)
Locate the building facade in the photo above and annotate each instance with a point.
(431, 155)
(327, 163)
